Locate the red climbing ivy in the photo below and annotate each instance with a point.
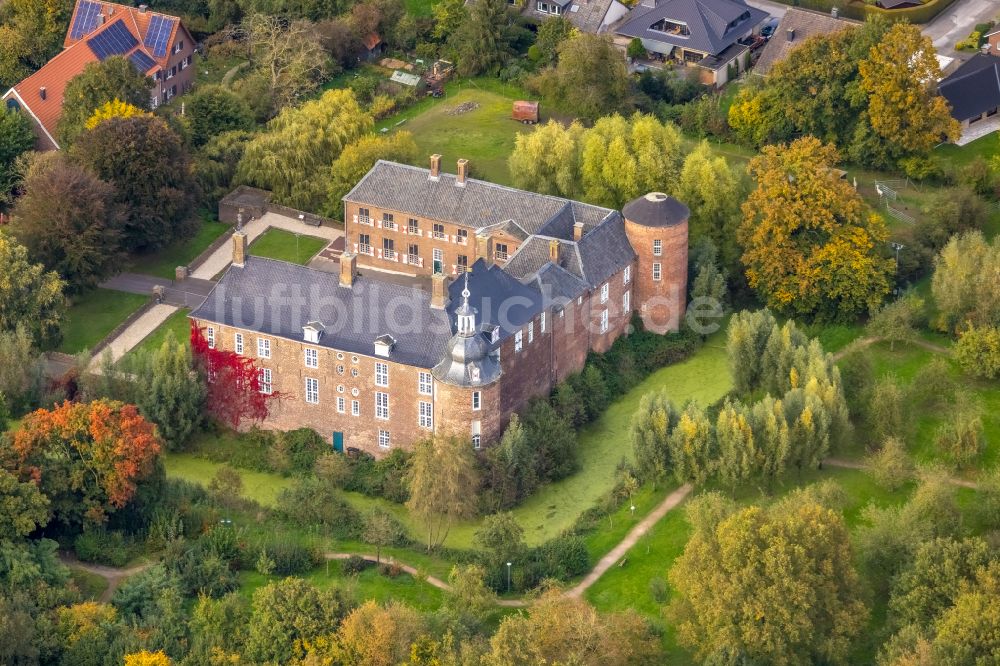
(233, 383)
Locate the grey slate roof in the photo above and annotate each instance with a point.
(708, 22)
(278, 298)
(588, 15)
(558, 284)
(973, 88)
(478, 204)
(656, 210)
(805, 23)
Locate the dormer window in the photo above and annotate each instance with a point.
(313, 331)
(384, 345)
(674, 28)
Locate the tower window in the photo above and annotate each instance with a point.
(657, 247)
(657, 271)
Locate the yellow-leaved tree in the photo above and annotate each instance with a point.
(145, 658)
(809, 245)
(900, 77)
(113, 109)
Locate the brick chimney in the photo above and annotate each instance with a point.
(790, 34)
(42, 92)
(577, 231)
(482, 246)
(348, 268)
(439, 291)
(435, 167)
(239, 249)
(463, 171)
(554, 251)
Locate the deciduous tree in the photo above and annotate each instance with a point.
(100, 82)
(692, 446)
(300, 143)
(713, 191)
(978, 351)
(214, 110)
(890, 465)
(443, 476)
(286, 613)
(16, 138)
(22, 506)
(547, 160)
(86, 457)
(590, 77)
(649, 433)
(964, 275)
(30, 296)
(732, 602)
(359, 157)
(70, 221)
(809, 245)
(113, 109)
(481, 39)
(151, 173)
(897, 321)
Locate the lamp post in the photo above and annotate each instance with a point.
(508, 577)
(632, 508)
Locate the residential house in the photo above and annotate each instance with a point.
(157, 45)
(795, 27)
(973, 91)
(593, 16)
(714, 36)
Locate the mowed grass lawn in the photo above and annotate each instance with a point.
(93, 315)
(984, 147)
(287, 246)
(484, 136)
(177, 323)
(163, 264)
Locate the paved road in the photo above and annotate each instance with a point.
(956, 22)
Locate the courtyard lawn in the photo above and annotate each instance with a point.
(261, 487)
(177, 323)
(93, 315)
(287, 246)
(163, 264)
(484, 135)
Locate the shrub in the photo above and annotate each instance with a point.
(563, 557)
(960, 438)
(199, 570)
(291, 558)
(310, 502)
(890, 466)
(380, 478)
(300, 449)
(355, 564)
(659, 590)
(390, 570)
(978, 351)
(100, 546)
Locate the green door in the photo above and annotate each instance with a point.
(338, 442)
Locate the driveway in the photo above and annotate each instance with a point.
(956, 22)
(775, 9)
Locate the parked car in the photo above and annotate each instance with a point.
(768, 30)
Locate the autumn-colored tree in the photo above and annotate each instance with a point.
(113, 109)
(809, 246)
(692, 446)
(897, 321)
(562, 629)
(965, 275)
(286, 616)
(69, 220)
(890, 465)
(378, 635)
(739, 457)
(443, 476)
(146, 658)
(234, 393)
(900, 77)
(547, 159)
(712, 190)
(978, 351)
(649, 433)
(85, 457)
(733, 603)
(29, 295)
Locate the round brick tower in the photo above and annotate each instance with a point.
(657, 228)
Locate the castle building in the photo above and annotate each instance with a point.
(522, 286)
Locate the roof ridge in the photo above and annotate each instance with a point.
(948, 80)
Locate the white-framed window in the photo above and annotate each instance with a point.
(383, 439)
(657, 247)
(604, 321)
(627, 302)
(425, 383)
(426, 419)
(312, 358)
(382, 406)
(312, 391)
(263, 348)
(477, 401)
(657, 271)
(517, 341)
(604, 293)
(238, 343)
(531, 332)
(627, 275)
(381, 374)
(355, 408)
(265, 381)
(341, 404)
(210, 337)
(477, 436)
(541, 323)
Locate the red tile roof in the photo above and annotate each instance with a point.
(58, 71)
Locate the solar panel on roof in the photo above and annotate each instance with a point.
(141, 61)
(87, 17)
(113, 40)
(160, 28)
